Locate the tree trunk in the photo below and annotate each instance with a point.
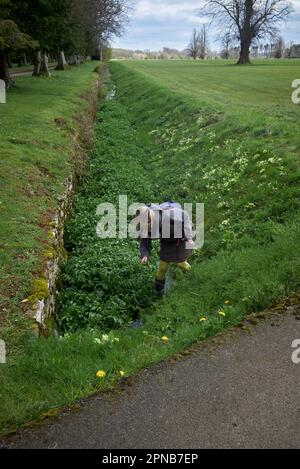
(4, 71)
(37, 65)
(22, 59)
(62, 63)
(73, 60)
(44, 70)
(25, 62)
(244, 54)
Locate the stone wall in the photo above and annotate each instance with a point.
(42, 306)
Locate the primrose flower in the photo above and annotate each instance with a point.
(221, 313)
(122, 373)
(226, 302)
(249, 205)
(203, 319)
(165, 338)
(66, 336)
(100, 374)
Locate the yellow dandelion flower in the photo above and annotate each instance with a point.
(203, 319)
(122, 373)
(100, 374)
(165, 338)
(221, 313)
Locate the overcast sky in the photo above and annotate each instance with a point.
(158, 23)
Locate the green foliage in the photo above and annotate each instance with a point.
(46, 20)
(11, 38)
(104, 283)
(74, 26)
(107, 54)
(5, 8)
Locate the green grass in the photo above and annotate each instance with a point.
(255, 98)
(34, 164)
(265, 83)
(156, 142)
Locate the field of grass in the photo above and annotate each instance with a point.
(34, 164)
(265, 83)
(193, 133)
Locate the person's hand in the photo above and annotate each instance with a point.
(190, 243)
(144, 260)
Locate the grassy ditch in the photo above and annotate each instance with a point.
(154, 144)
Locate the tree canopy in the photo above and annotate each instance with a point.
(75, 27)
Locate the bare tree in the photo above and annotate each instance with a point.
(279, 48)
(254, 50)
(193, 47)
(226, 43)
(289, 50)
(103, 19)
(247, 20)
(198, 45)
(203, 42)
(266, 50)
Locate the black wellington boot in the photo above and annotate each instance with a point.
(159, 286)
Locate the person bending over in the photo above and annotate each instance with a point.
(172, 225)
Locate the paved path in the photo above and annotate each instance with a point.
(241, 393)
(27, 73)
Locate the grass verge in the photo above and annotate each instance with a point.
(38, 131)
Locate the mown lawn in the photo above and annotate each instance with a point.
(156, 142)
(264, 83)
(34, 164)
